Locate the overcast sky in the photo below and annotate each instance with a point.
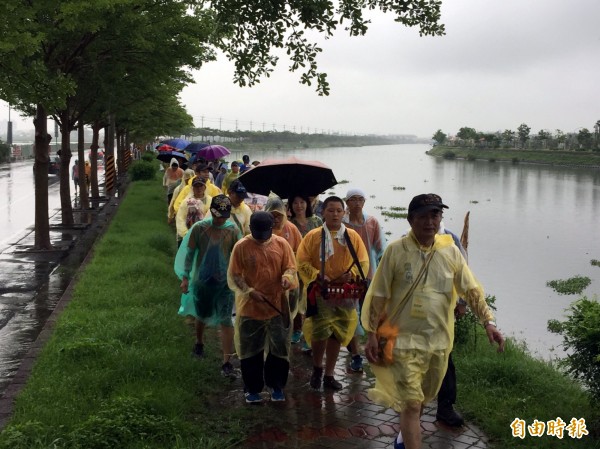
(500, 64)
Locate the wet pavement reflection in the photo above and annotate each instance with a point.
(33, 281)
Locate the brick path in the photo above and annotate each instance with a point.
(342, 420)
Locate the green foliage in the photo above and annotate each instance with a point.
(595, 262)
(148, 156)
(466, 133)
(465, 328)
(515, 160)
(449, 154)
(386, 213)
(492, 159)
(581, 339)
(494, 389)
(523, 132)
(255, 28)
(143, 170)
(571, 286)
(471, 157)
(439, 137)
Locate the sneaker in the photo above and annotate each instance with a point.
(296, 337)
(449, 416)
(277, 395)
(331, 383)
(356, 364)
(253, 398)
(198, 351)
(316, 378)
(305, 348)
(398, 445)
(227, 370)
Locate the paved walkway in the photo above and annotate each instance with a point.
(342, 420)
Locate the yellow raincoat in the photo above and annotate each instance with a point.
(425, 322)
(211, 190)
(331, 319)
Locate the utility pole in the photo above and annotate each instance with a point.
(250, 125)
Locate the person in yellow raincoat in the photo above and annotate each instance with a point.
(336, 319)
(202, 171)
(422, 321)
(262, 270)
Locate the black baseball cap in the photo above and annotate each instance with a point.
(220, 206)
(261, 225)
(426, 202)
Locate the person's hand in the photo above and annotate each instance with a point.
(494, 335)
(285, 283)
(460, 310)
(372, 348)
(346, 277)
(184, 285)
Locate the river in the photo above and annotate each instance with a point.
(529, 224)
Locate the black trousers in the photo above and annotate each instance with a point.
(447, 393)
(258, 371)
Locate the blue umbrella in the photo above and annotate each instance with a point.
(180, 144)
(194, 147)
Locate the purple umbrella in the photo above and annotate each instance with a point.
(213, 152)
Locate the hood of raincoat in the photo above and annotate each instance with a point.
(174, 161)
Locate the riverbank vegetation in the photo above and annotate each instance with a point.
(117, 371)
(570, 158)
(578, 148)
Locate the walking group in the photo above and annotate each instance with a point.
(321, 275)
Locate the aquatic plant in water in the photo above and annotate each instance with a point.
(571, 286)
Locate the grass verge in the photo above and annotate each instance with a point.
(495, 389)
(117, 371)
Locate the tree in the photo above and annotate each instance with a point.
(255, 28)
(543, 136)
(584, 138)
(439, 137)
(523, 133)
(467, 134)
(508, 136)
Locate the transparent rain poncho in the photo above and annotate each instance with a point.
(261, 266)
(203, 258)
(425, 323)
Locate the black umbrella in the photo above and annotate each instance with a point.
(290, 176)
(166, 156)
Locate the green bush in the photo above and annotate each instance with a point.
(148, 156)
(465, 328)
(581, 339)
(449, 154)
(143, 170)
(471, 157)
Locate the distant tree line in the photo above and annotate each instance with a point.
(300, 139)
(581, 139)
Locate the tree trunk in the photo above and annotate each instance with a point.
(66, 206)
(40, 174)
(84, 198)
